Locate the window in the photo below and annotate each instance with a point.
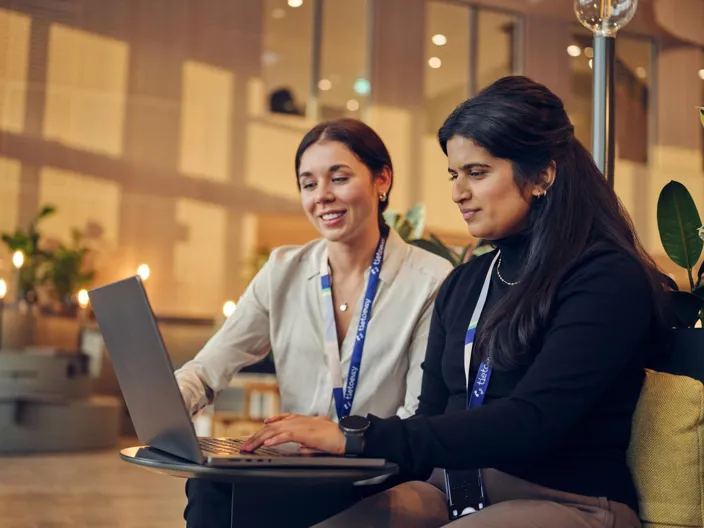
(495, 46)
(447, 73)
(466, 49)
(287, 58)
(315, 59)
(633, 78)
(343, 84)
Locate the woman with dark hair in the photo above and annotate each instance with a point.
(338, 307)
(537, 350)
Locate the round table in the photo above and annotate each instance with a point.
(159, 462)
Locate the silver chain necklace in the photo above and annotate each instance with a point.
(498, 272)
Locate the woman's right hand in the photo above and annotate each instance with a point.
(189, 399)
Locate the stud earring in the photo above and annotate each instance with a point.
(383, 197)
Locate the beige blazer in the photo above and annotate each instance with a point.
(281, 310)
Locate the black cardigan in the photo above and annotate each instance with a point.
(563, 422)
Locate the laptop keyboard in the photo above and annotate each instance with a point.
(230, 446)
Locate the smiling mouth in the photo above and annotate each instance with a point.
(331, 216)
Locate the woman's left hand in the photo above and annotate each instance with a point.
(317, 433)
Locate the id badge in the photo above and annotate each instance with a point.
(465, 493)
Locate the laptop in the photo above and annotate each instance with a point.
(146, 377)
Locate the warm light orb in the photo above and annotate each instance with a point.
(434, 62)
(18, 259)
(143, 271)
(574, 50)
(605, 17)
(3, 289)
(295, 3)
(83, 299)
(228, 308)
(353, 105)
(701, 74)
(439, 39)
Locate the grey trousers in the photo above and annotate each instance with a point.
(515, 503)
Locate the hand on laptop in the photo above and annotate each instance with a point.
(189, 399)
(314, 434)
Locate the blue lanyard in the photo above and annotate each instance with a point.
(475, 397)
(343, 400)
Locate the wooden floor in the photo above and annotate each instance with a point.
(95, 490)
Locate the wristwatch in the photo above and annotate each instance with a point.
(353, 428)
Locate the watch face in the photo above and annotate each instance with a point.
(354, 423)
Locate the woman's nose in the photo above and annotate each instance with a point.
(460, 192)
(323, 194)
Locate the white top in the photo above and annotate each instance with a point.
(281, 310)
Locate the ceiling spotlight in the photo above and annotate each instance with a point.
(701, 74)
(295, 3)
(434, 62)
(324, 85)
(439, 39)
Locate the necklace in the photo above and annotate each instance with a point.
(345, 305)
(498, 272)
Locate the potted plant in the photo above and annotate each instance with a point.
(682, 237)
(51, 270)
(66, 273)
(28, 242)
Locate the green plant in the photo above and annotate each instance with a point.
(56, 269)
(411, 227)
(681, 232)
(682, 236)
(65, 270)
(28, 242)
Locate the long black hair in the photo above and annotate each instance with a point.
(522, 121)
(364, 143)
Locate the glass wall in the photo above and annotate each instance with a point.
(634, 78)
(315, 58)
(466, 49)
(343, 83)
(447, 57)
(287, 54)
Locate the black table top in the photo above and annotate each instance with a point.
(163, 463)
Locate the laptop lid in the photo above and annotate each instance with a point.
(143, 368)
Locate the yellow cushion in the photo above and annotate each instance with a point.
(666, 454)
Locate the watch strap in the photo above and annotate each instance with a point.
(354, 443)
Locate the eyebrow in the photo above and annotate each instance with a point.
(469, 166)
(332, 168)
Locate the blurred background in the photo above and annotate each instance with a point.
(158, 137)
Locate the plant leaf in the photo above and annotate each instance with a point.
(678, 220)
(701, 114)
(463, 254)
(416, 217)
(435, 248)
(390, 217)
(700, 274)
(686, 308)
(404, 228)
